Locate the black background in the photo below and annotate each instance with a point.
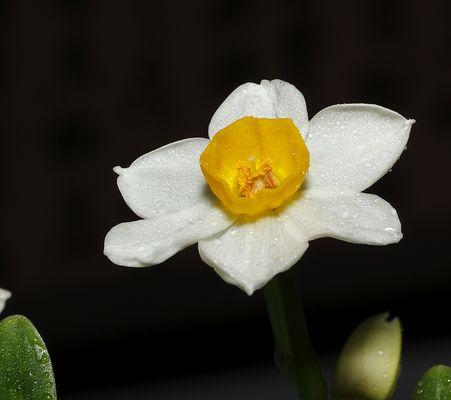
(87, 85)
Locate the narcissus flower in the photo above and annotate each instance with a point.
(266, 183)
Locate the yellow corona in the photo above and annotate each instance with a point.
(255, 164)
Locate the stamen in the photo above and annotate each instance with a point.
(269, 179)
(250, 184)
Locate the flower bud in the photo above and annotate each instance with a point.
(4, 295)
(369, 364)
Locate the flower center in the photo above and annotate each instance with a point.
(255, 164)
(250, 182)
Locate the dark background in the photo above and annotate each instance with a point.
(87, 85)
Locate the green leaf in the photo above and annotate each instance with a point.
(435, 384)
(25, 368)
(369, 364)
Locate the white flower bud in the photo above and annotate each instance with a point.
(369, 364)
(4, 295)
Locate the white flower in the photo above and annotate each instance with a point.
(350, 145)
(4, 295)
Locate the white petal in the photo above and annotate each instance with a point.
(288, 102)
(249, 254)
(152, 241)
(4, 295)
(353, 145)
(165, 180)
(270, 99)
(353, 217)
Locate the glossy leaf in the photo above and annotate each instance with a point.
(25, 367)
(435, 384)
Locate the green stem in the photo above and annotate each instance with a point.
(294, 354)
